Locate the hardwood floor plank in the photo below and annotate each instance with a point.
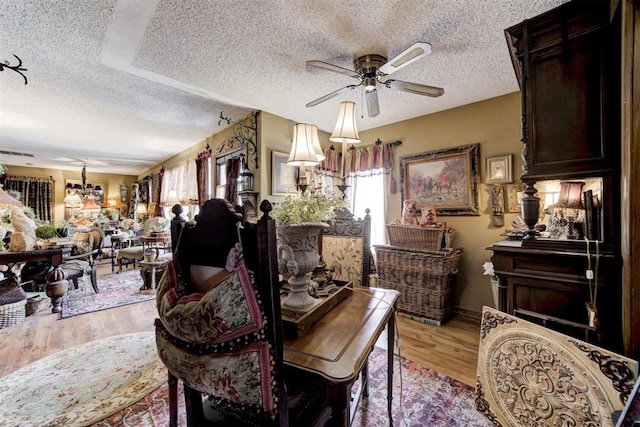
(451, 349)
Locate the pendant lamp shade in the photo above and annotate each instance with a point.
(305, 146)
(6, 201)
(90, 205)
(72, 199)
(345, 130)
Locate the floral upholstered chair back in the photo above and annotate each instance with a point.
(215, 330)
(346, 248)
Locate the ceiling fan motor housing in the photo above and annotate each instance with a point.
(367, 66)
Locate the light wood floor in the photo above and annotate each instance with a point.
(450, 349)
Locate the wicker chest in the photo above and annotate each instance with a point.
(425, 279)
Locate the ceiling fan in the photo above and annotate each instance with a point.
(372, 69)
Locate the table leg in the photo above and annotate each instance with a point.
(153, 277)
(391, 326)
(340, 398)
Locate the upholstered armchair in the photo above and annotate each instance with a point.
(220, 330)
(84, 256)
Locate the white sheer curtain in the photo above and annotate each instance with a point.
(368, 191)
(181, 178)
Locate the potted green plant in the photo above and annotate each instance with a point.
(299, 219)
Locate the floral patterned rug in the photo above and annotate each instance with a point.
(115, 290)
(84, 384)
(427, 399)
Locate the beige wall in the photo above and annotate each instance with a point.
(493, 123)
(60, 176)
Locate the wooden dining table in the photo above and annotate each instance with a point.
(53, 255)
(337, 347)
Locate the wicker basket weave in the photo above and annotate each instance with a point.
(414, 237)
(12, 314)
(425, 279)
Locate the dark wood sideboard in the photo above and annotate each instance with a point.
(550, 287)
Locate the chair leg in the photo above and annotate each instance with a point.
(173, 401)
(75, 282)
(193, 406)
(94, 279)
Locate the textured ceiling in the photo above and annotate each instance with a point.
(123, 85)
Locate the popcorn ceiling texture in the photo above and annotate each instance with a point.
(133, 83)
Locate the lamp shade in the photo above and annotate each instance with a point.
(90, 205)
(72, 199)
(570, 195)
(345, 130)
(141, 209)
(6, 201)
(172, 198)
(305, 146)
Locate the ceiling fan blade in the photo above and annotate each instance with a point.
(413, 53)
(416, 88)
(334, 68)
(371, 98)
(331, 95)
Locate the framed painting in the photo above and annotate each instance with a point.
(283, 176)
(499, 169)
(513, 194)
(445, 179)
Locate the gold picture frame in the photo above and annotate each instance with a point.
(513, 194)
(445, 179)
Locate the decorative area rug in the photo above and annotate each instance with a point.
(84, 384)
(428, 399)
(115, 290)
(532, 376)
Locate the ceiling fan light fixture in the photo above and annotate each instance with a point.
(345, 130)
(305, 146)
(369, 83)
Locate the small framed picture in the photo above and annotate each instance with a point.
(499, 169)
(283, 176)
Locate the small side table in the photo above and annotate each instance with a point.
(152, 266)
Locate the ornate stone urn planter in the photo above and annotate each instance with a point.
(298, 256)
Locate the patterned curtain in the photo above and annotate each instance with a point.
(231, 190)
(36, 193)
(202, 174)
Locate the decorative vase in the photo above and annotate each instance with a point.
(298, 256)
(150, 254)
